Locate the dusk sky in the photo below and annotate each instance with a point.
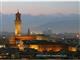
(37, 9)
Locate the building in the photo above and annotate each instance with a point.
(42, 45)
(18, 24)
(17, 21)
(28, 36)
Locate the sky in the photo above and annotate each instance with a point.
(37, 0)
(36, 12)
(38, 8)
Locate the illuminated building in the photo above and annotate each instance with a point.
(43, 45)
(46, 47)
(21, 46)
(12, 41)
(72, 49)
(41, 37)
(18, 35)
(30, 37)
(18, 24)
(34, 47)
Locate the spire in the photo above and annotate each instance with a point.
(28, 33)
(18, 11)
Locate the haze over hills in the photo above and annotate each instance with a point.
(68, 23)
(57, 22)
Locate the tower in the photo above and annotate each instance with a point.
(18, 24)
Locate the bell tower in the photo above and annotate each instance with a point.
(18, 24)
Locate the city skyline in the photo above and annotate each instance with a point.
(39, 30)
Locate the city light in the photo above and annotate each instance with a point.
(72, 49)
(34, 46)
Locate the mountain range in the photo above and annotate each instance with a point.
(56, 22)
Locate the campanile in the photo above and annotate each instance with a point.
(18, 24)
